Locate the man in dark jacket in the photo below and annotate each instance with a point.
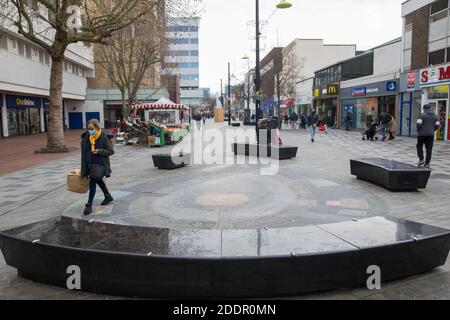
(427, 124)
(96, 148)
(385, 118)
(313, 119)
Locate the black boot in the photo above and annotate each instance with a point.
(88, 210)
(108, 200)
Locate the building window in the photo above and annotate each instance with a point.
(194, 53)
(438, 16)
(436, 57)
(21, 48)
(3, 41)
(28, 51)
(439, 6)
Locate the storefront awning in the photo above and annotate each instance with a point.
(161, 104)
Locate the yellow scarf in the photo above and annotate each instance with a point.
(94, 138)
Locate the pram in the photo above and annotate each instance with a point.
(371, 132)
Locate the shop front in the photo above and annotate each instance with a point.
(326, 101)
(410, 103)
(357, 102)
(435, 85)
(23, 114)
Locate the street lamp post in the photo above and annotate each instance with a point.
(283, 4)
(229, 95)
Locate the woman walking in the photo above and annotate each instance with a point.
(96, 148)
(392, 127)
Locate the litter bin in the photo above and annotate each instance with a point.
(265, 127)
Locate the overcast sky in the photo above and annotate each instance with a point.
(224, 34)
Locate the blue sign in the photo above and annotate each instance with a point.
(391, 86)
(359, 92)
(269, 104)
(23, 102)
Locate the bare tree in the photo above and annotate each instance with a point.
(133, 54)
(286, 80)
(55, 24)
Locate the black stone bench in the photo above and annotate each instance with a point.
(198, 264)
(393, 175)
(170, 162)
(281, 152)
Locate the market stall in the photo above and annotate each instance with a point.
(168, 122)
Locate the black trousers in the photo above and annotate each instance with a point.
(92, 189)
(428, 142)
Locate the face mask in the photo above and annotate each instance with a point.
(92, 132)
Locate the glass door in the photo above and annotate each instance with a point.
(13, 122)
(35, 120)
(24, 121)
(440, 108)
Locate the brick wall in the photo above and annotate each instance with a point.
(420, 29)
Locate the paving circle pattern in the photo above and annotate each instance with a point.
(236, 197)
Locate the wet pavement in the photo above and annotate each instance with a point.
(317, 186)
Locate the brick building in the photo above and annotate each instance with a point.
(425, 63)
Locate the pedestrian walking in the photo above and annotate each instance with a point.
(313, 119)
(96, 149)
(427, 124)
(392, 128)
(303, 121)
(384, 120)
(348, 121)
(326, 122)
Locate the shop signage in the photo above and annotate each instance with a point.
(23, 102)
(411, 81)
(269, 104)
(328, 91)
(332, 90)
(391, 86)
(435, 75)
(316, 93)
(359, 92)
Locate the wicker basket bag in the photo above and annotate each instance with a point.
(77, 184)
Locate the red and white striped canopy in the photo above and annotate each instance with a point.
(161, 104)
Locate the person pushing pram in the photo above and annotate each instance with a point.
(371, 126)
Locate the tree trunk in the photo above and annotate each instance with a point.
(55, 135)
(124, 105)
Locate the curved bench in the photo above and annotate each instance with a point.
(164, 263)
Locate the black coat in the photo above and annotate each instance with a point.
(105, 150)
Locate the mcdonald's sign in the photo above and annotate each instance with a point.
(333, 90)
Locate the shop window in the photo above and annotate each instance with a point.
(438, 6)
(436, 57)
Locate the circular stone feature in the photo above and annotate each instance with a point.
(237, 198)
(222, 200)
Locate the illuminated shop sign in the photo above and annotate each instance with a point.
(359, 92)
(435, 75)
(24, 102)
